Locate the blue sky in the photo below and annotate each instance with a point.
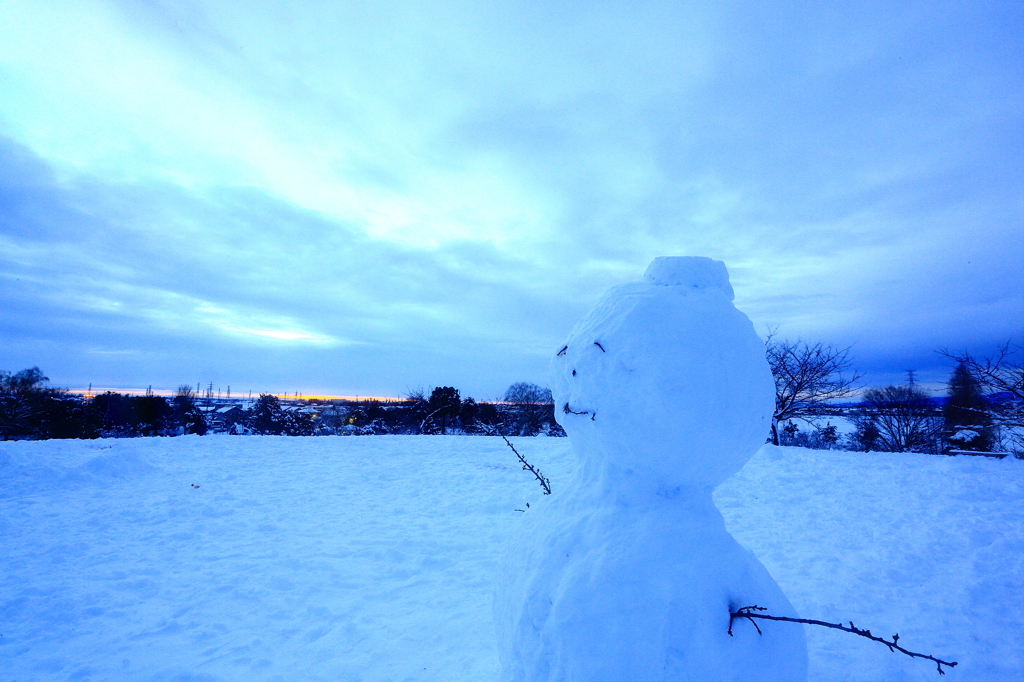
(371, 197)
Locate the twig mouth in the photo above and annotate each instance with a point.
(568, 410)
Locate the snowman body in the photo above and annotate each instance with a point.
(628, 574)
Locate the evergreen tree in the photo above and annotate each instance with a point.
(151, 415)
(444, 405)
(110, 415)
(469, 410)
(487, 417)
(266, 416)
(297, 423)
(1001, 376)
(968, 425)
(22, 403)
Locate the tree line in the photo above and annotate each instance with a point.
(815, 385)
(525, 410)
(982, 412)
(31, 409)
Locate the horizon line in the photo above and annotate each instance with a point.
(168, 393)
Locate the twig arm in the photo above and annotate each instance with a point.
(752, 612)
(544, 483)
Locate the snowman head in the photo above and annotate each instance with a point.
(664, 380)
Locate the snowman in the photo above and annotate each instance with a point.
(628, 574)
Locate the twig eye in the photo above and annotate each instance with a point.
(562, 352)
(600, 346)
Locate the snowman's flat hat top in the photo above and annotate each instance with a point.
(693, 272)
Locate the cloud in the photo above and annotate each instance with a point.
(411, 196)
(95, 268)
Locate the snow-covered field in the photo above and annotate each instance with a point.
(371, 558)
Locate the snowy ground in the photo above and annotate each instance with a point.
(371, 558)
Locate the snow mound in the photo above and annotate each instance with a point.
(28, 468)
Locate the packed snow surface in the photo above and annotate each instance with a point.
(630, 574)
(372, 558)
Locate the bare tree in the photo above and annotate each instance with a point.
(187, 411)
(527, 407)
(1002, 375)
(903, 417)
(808, 377)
